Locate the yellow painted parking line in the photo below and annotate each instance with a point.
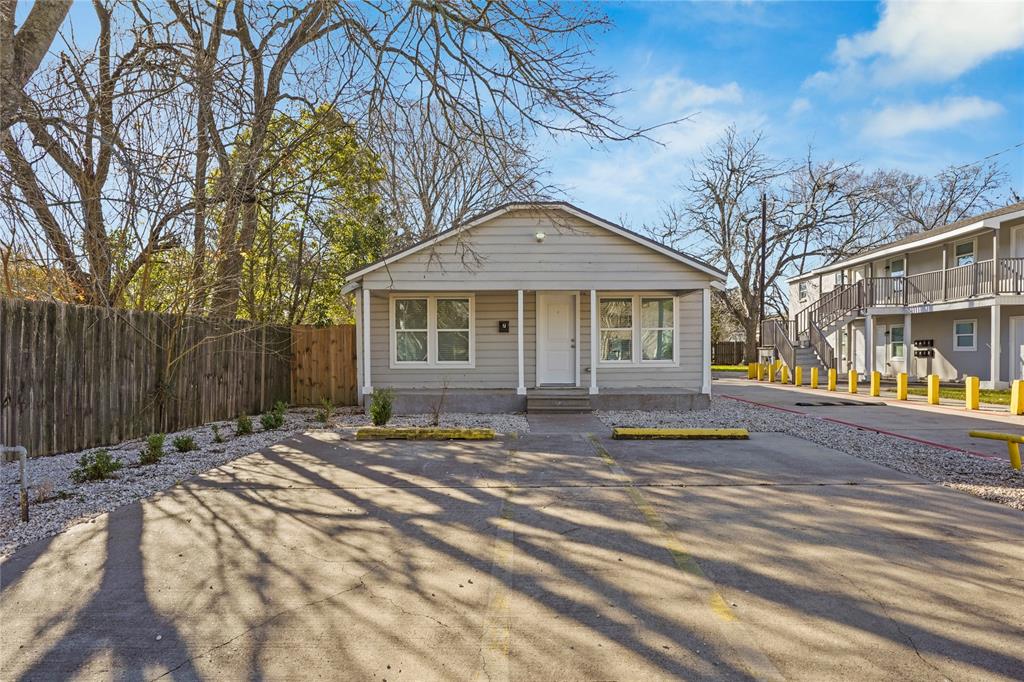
(736, 635)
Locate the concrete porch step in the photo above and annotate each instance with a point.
(567, 399)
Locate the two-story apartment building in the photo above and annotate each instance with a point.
(948, 301)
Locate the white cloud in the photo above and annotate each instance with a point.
(927, 41)
(674, 95)
(897, 121)
(799, 106)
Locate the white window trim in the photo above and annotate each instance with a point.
(893, 344)
(973, 241)
(801, 291)
(637, 331)
(974, 335)
(431, 362)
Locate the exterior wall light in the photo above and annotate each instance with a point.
(540, 236)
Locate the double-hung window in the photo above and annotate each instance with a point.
(965, 335)
(637, 329)
(963, 253)
(432, 330)
(896, 341)
(802, 291)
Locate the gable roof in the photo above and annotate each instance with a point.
(926, 238)
(541, 205)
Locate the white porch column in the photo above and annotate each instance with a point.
(996, 333)
(706, 341)
(869, 344)
(367, 386)
(521, 389)
(594, 342)
(908, 348)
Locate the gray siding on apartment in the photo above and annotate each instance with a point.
(504, 254)
(496, 365)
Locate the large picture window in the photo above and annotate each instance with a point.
(432, 330)
(637, 329)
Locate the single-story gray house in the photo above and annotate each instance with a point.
(538, 306)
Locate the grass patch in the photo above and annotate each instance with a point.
(953, 393)
(728, 368)
(422, 433)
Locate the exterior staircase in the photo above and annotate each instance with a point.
(557, 400)
(807, 358)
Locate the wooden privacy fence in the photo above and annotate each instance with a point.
(727, 352)
(324, 365)
(73, 377)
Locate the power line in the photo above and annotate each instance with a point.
(991, 156)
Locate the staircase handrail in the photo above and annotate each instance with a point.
(773, 334)
(819, 342)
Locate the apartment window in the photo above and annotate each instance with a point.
(897, 267)
(896, 341)
(801, 289)
(965, 335)
(647, 322)
(432, 330)
(840, 278)
(963, 253)
(657, 327)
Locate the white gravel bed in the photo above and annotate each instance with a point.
(70, 503)
(989, 479)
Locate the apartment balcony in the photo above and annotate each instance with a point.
(962, 283)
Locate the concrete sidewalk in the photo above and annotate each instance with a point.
(554, 556)
(941, 424)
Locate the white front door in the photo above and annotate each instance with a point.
(1016, 348)
(556, 339)
(881, 355)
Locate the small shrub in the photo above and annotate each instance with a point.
(244, 425)
(323, 415)
(95, 467)
(217, 437)
(275, 418)
(154, 449)
(185, 443)
(380, 406)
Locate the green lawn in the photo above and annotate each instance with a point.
(729, 368)
(953, 393)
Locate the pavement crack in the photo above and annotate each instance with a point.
(264, 622)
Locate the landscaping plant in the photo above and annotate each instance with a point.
(217, 437)
(95, 467)
(244, 425)
(275, 418)
(185, 443)
(380, 406)
(323, 415)
(154, 449)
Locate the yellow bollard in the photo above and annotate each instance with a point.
(933, 389)
(760, 371)
(771, 373)
(785, 374)
(832, 379)
(972, 386)
(798, 376)
(1014, 455)
(901, 386)
(750, 370)
(852, 381)
(814, 377)
(1017, 397)
(876, 384)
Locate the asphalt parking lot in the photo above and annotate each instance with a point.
(555, 556)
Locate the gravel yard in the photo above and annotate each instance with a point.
(989, 479)
(68, 502)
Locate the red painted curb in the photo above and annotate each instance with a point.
(867, 428)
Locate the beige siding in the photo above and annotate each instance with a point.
(504, 254)
(496, 353)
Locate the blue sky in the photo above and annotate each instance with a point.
(913, 86)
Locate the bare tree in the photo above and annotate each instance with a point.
(438, 176)
(22, 52)
(816, 212)
(916, 203)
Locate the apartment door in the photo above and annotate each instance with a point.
(556, 339)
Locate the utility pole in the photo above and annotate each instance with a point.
(764, 260)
